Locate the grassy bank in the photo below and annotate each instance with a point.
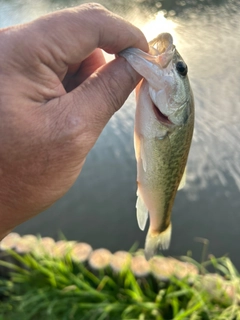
(47, 287)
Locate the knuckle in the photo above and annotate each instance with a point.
(96, 7)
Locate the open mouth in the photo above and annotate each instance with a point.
(160, 116)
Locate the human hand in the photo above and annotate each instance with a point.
(56, 96)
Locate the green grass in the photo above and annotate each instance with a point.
(49, 288)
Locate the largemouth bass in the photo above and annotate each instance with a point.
(164, 124)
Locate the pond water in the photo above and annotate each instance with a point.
(100, 207)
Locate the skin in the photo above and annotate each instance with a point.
(56, 95)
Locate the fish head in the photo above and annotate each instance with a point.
(166, 73)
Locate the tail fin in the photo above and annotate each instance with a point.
(157, 241)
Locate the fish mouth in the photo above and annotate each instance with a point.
(151, 65)
(163, 42)
(161, 117)
(162, 49)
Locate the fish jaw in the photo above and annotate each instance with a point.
(145, 64)
(152, 108)
(149, 122)
(156, 70)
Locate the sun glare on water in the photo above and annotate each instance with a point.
(159, 24)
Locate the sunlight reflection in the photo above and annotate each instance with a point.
(158, 25)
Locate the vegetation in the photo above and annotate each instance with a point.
(43, 287)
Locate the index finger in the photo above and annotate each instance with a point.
(74, 33)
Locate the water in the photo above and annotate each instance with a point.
(100, 207)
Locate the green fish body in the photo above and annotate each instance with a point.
(163, 131)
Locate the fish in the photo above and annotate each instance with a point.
(164, 124)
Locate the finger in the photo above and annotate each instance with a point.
(91, 64)
(84, 112)
(102, 94)
(96, 57)
(78, 73)
(76, 33)
(91, 26)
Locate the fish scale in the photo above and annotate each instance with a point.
(162, 136)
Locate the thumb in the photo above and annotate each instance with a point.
(92, 104)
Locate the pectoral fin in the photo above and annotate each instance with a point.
(143, 154)
(183, 180)
(142, 212)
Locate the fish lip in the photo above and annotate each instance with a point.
(162, 118)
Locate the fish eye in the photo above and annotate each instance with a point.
(182, 68)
